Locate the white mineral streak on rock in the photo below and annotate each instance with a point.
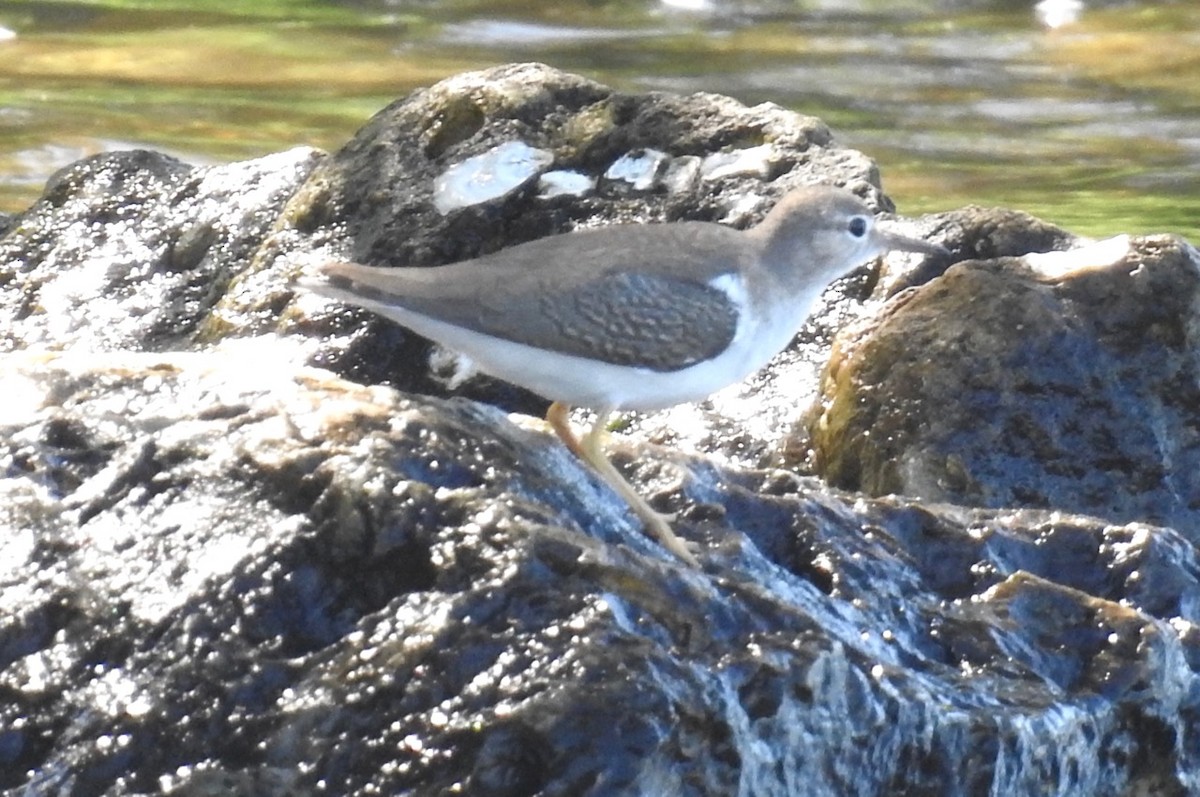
(753, 162)
(565, 183)
(489, 175)
(682, 175)
(640, 168)
(1090, 257)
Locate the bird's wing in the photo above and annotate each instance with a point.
(654, 306)
(624, 318)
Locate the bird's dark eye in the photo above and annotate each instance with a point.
(858, 226)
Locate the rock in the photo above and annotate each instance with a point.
(973, 233)
(298, 581)
(1000, 385)
(132, 250)
(226, 572)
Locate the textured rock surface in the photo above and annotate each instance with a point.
(226, 572)
(301, 583)
(998, 385)
(132, 250)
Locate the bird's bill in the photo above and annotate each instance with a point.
(894, 241)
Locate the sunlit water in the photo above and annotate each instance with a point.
(1088, 117)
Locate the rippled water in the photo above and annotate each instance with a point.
(1094, 124)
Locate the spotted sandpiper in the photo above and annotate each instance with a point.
(630, 316)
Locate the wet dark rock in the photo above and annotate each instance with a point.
(300, 581)
(226, 572)
(132, 250)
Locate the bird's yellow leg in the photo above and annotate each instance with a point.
(591, 451)
(558, 416)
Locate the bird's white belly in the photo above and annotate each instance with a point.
(599, 385)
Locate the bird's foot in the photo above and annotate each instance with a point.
(659, 527)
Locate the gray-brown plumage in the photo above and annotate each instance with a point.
(637, 294)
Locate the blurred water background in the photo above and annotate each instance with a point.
(1084, 114)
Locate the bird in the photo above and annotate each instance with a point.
(630, 317)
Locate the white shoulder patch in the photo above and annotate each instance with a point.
(730, 284)
(1090, 257)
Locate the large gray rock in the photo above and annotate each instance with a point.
(1067, 382)
(224, 571)
(259, 579)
